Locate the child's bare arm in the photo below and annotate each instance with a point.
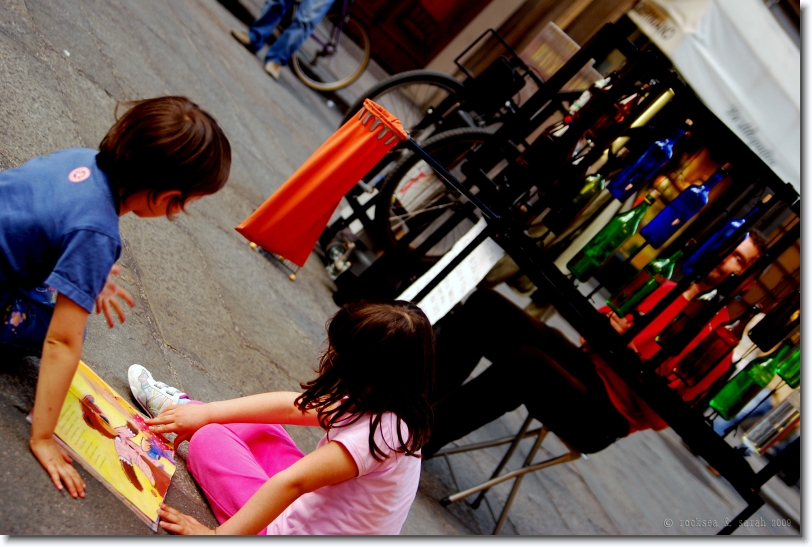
(265, 408)
(60, 357)
(330, 464)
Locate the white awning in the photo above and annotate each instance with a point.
(741, 63)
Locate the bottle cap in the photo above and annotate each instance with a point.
(726, 167)
(767, 198)
(622, 153)
(654, 194)
(688, 122)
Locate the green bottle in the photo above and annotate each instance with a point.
(748, 382)
(790, 369)
(573, 200)
(607, 242)
(656, 272)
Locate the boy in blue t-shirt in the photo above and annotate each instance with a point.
(59, 240)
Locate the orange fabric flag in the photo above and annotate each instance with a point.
(290, 221)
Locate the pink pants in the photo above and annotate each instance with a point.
(231, 462)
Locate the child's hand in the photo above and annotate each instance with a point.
(58, 465)
(108, 296)
(176, 522)
(184, 420)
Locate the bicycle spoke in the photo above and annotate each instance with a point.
(415, 213)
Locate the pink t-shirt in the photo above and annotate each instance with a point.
(377, 501)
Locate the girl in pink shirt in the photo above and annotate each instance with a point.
(371, 397)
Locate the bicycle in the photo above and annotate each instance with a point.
(317, 63)
(449, 118)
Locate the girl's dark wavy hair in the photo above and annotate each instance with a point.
(162, 144)
(380, 358)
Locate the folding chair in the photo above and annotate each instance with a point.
(518, 474)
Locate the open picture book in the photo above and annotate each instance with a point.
(109, 438)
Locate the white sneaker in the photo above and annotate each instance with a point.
(153, 396)
(242, 37)
(273, 69)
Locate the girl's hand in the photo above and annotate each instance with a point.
(184, 420)
(57, 463)
(107, 298)
(176, 522)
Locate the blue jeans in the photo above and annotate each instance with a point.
(307, 16)
(26, 315)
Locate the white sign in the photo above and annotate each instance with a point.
(461, 280)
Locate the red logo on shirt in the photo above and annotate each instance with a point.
(79, 174)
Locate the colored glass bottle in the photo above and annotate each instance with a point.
(632, 177)
(607, 242)
(694, 308)
(778, 323)
(723, 240)
(681, 210)
(622, 109)
(790, 369)
(574, 199)
(656, 272)
(715, 347)
(739, 391)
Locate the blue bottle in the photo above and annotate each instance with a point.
(681, 210)
(633, 176)
(722, 239)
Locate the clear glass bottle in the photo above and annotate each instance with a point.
(778, 424)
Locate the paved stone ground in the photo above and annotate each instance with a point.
(219, 320)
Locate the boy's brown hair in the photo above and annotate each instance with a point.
(162, 144)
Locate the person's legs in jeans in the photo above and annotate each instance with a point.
(272, 13)
(231, 462)
(307, 16)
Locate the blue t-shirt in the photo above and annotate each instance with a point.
(58, 225)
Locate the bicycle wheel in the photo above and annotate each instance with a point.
(318, 64)
(414, 203)
(418, 98)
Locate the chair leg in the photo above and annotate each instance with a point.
(570, 456)
(515, 490)
(478, 501)
(487, 444)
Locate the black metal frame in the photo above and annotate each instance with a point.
(505, 226)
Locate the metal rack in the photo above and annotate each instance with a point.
(501, 200)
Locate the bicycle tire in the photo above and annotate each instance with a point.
(422, 84)
(299, 62)
(445, 146)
